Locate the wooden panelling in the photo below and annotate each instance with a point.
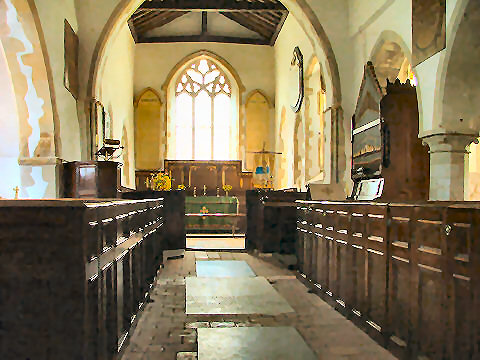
(407, 274)
(81, 270)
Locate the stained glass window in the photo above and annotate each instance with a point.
(203, 112)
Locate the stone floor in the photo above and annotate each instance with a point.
(226, 242)
(307, 324)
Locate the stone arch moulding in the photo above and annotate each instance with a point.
(216, 58)
(304, 14)
(23, 41)
(454, 25)
(262, 93)
(392, 36)
(238, 91)
(35, 97)
(298, 8)
(143, 92)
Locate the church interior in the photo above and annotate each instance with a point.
(239, 179)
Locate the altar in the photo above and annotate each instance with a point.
(212, 214)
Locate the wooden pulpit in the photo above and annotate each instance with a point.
(91, 179)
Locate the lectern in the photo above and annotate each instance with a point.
(91, 179)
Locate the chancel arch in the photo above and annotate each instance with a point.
(203, 116)
(30, 77)
(149, 130)
(460, 112)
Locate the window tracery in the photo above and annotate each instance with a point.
(203, 112)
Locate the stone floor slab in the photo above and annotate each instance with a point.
(245, 295)
(252, 343)
(224, 268)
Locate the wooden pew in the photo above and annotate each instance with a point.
(73, 274)
(409, 274)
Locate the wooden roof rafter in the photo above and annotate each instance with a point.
(263, 17)
(213, 5)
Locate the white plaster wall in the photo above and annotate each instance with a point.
(116, 94)
(52, 15)
(292, 35)
(253, 63)
(9, 134)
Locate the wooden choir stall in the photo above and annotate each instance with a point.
(404, 269)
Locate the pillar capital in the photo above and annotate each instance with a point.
(447, 162)
(449, 141)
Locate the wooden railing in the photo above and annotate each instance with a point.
(73, 275)
(409, 274)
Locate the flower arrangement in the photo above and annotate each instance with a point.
(226, 188)
(161, 182)
(181, 187)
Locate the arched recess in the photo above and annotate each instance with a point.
(282, 173)
(317, 129)
(126, 159)
(150, 140)
(299, 152)
(392, 59)
(25, 52)
(259, 125)
(459, 92)
(237, 90)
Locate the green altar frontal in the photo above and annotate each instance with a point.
(211, 213)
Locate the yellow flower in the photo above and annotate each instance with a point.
(227, 187)
(181, 187)
(161, 182)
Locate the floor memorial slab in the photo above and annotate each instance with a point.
(224, 268)
(241, 295)
(252, 343)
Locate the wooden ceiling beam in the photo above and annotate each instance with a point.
(246, 23)
(203, 38)
(204, 22)
(159, 21)
(146, 18)
(132, 30)
(211, 5)
(279, 28)
(257, 22)
(263, 19)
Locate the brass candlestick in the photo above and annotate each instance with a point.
(218, 191)
(204, 190)
(194, 191)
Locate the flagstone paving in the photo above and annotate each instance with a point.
(165, 331)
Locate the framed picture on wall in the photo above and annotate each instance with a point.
(70, 79)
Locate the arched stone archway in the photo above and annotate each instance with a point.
(22, 40)
(316, 34)
(298, 8)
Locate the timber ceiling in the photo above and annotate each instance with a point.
(264, 18)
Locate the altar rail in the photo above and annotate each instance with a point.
(409, 274)
(73, 275)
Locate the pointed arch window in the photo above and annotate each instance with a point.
(203, 112)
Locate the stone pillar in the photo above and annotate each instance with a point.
(40, 178)
(447, 163)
